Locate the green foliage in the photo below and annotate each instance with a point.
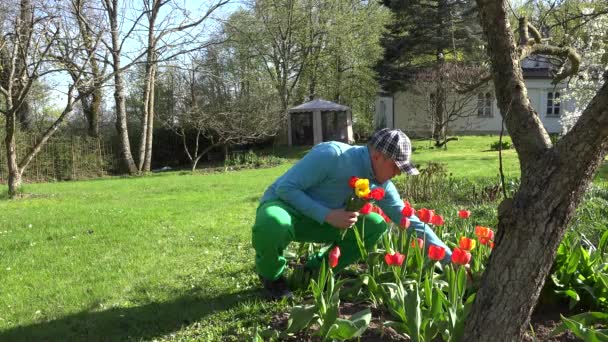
(580, 273)
(433, 183)
(252, 160)
(418, 33)
(325, 311)
(328, 54)
(498, 145)
(588, 326)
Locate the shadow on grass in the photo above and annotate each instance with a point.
(135, 323)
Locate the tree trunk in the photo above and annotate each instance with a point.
(14, 174)
(144, 120)
(91, 106)
(119, 90)
(553, 181)
(121, 123)
(150, 126)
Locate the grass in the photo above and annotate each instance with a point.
(130, 258)
(165, 257)
(470, 156)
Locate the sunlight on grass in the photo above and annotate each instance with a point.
(166, 256)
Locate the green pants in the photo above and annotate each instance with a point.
(277, 224)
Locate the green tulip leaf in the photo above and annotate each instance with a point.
(354, 327)
(580, 330)
(574, 260)
(300, 317)
(400, 327)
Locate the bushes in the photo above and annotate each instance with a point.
(497, 145)
(434, 184)
(250, 159)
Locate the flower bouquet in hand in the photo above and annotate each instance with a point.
(362, 196)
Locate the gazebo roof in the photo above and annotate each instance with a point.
(318, 104)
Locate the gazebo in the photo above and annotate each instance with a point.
(319, 120)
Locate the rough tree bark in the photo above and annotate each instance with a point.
(112, 8)
(553, 181)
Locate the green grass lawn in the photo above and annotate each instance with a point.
(165, 257)
(131, 257)
(470, 156)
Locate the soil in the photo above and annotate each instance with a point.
(543, 320)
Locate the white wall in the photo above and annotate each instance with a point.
(411, 111)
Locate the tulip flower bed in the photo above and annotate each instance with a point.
(418, 297)
(415, 293)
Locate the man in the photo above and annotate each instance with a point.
(306, 204)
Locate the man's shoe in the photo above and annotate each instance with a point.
(277, 289)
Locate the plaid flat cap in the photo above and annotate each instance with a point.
(394, 144)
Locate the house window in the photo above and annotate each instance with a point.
(484, 105)
(553, 104)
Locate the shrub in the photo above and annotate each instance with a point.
(434, 184)
(250, 159)
(495, 146)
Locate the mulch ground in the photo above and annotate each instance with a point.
(543, 320)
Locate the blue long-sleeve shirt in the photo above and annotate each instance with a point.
(318, 183)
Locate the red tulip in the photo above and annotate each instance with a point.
(395, 259)
(466, 243)
(405, 223)
(425, 215)
(437, 220)
(486, 242)
(333, 256)
(436, 253)
(352, 181)
(418, 242)
(460, 256)
(366, 209)
(377, 194)
(407, 211)
(464, 214)
(484, 232)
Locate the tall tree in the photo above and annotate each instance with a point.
(553, 180)
(212, 107)
(89, 22)
(27, 53)
(424, 35)
(112, 10)
(344, 46)
(162, 41)
(273, 33)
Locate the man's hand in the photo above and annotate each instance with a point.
(341, 218)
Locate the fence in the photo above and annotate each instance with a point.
(62, 158)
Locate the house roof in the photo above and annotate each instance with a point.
(537, 66)
(318, 104)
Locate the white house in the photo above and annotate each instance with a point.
(409, 111)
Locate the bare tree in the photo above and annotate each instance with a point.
(89, 24)
(553, 180)
(448, 94)
(216, 111)
(31, 33)
(162, 43)
(112, 10)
